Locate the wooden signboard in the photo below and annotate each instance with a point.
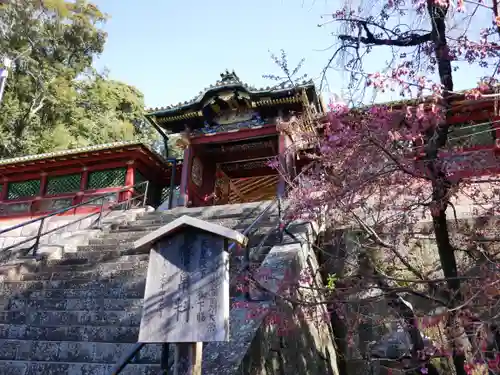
(186, 298)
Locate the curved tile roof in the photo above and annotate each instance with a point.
(80, 150)
(228, 80)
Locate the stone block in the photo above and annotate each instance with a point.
(13, 368)
(73, 227)
(71, 241)
(116, 216)
(54, 238)
(11, 242)
(9, 349)
(56, 225)
(13, 233)
(45, 240)
(30, 229)
(51, 251)
(86, 223)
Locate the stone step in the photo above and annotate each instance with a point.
(67, 351)
(137, 227)
(72, 304)
(104, 292)
(238, 225)
(104, 247)
(114, 291)
(61, 265)
(110, 334)
(206, 215)
(100, 272)
(92, 257)
(72, 318)
(118, 243)
(124, 240)
(65, 368)
(238, 210)
(23, 286)
(125, 228)
(115, 240)
(233, 222)
(128, 234)
(122, 234)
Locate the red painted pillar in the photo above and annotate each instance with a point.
(84, 180)
(36, 205)
(4, 195)
(43, 184)
(83, 186)
(5, 190)
(129, 179)
(186, 169)
(496, 125)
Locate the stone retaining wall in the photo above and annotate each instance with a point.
(305, 346)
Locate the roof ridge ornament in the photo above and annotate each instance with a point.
(229, 77)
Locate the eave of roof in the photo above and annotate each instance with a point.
(227, 85)
(82, 150)
(458, 95)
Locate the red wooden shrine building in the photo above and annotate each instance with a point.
(39, 184)
(473, 148)
(230, 132)
(473, 145)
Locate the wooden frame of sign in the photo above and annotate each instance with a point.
(186, 300)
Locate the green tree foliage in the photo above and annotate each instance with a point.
(54, 99)
(174, 151)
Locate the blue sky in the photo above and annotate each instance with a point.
(171, 50)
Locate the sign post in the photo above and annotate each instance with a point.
(186, 300)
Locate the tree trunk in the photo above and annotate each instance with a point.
(440, 184)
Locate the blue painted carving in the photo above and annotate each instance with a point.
(255, 122)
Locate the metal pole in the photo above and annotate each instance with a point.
(172, 184)
(37, 240)
(99, 219)
(161, 132)
(164, 358)
(145, 198)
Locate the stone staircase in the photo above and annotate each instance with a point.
(80, 314)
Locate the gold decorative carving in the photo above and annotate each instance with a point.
(233, 116)
(242, 147)
(222, 187)
(182, 143)
(253, 164)
(197, 172)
